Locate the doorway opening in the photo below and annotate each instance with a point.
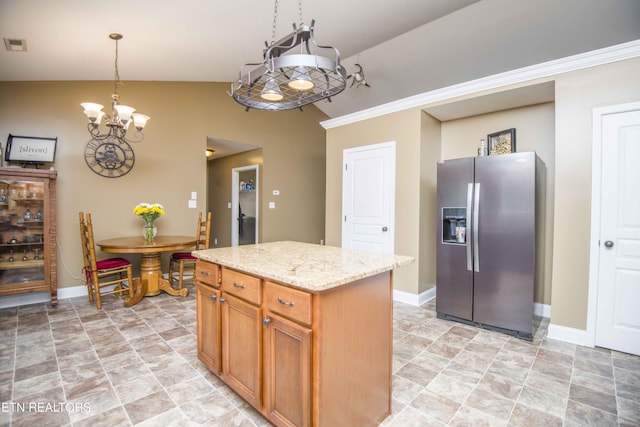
(244, 205)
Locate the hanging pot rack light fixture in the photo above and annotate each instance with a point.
(121, 116)
(285, 79)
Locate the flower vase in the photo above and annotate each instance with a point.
(149, 232)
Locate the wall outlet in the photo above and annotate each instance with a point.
(215, 241)
(276, 192)
(272, 205)
(193, 204)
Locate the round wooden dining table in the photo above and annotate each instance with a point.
(150, 252)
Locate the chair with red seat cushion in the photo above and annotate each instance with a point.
(102, 275)
(182, 264)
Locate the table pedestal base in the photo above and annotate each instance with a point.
(140, 289)
(151, 270)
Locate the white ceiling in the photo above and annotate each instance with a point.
(406, 47)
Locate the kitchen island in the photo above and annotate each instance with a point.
(302, 332)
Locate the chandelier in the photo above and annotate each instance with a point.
(121, 116)
(289, 78)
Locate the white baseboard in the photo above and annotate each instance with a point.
(413, 299)
(569, 335)
(40, 297)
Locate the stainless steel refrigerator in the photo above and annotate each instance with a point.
(489, 221)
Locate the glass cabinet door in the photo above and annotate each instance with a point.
(22, 232)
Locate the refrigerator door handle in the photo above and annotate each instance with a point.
(468, 219)
(476, 212)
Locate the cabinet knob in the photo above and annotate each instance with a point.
(266, 321)
(214, 296)
(608, 244)
(222, 300)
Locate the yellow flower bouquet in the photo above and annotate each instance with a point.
(149, 212)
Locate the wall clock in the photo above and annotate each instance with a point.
(109, 159)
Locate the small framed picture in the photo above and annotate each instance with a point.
(502, 142)
(30, 149)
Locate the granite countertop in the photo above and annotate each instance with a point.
(304, 265)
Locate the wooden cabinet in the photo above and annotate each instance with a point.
(300, 358)
(242, 348)
(287, 372)
(208, 315)
(28, 232)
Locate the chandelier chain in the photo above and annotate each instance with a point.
(300, 11)
(116, 75)
(275, 16)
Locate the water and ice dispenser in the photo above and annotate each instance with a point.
(454, 225)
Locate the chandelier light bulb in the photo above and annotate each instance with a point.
(124, 112)
(271, 90)
(140, 120)
(92, 111)
(300, 80)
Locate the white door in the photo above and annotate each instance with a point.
(618, 293)
(368, 197)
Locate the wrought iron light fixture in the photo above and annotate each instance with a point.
(288, 79)
(121, 116)
(109, 154)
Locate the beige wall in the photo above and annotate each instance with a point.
(577, 94)
(170, 162)
(430, 153)
(403, 128)
(561, 134)
(535, 131)
(219, 193)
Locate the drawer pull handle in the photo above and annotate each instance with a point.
(204, 273)
(235, 285)
(283, 302)
(214, 296)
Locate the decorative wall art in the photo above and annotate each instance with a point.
(502, 142)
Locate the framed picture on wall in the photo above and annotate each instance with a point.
(30, 149)
(502, 142)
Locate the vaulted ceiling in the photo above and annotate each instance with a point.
(406, 47)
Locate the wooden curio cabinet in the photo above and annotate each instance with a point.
(28, 232)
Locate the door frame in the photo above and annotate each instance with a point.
(235, 199)
(596, 206)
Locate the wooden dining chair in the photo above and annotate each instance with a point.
(182, 265)
(106, 276)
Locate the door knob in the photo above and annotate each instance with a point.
(608, 244)
(385, 228)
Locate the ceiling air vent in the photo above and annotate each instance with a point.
(15, 45)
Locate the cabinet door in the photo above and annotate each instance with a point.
(287, 372)
(208, 318)
(242, 347)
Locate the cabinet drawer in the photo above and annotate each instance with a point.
(242, 285)
(207, 272)
(289, 302)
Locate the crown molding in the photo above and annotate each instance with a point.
(568, 64)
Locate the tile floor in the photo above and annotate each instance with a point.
(74, 365)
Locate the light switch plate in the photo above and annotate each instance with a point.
(193, 204)
(276, 192)
(194, 195)
(272, 205)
